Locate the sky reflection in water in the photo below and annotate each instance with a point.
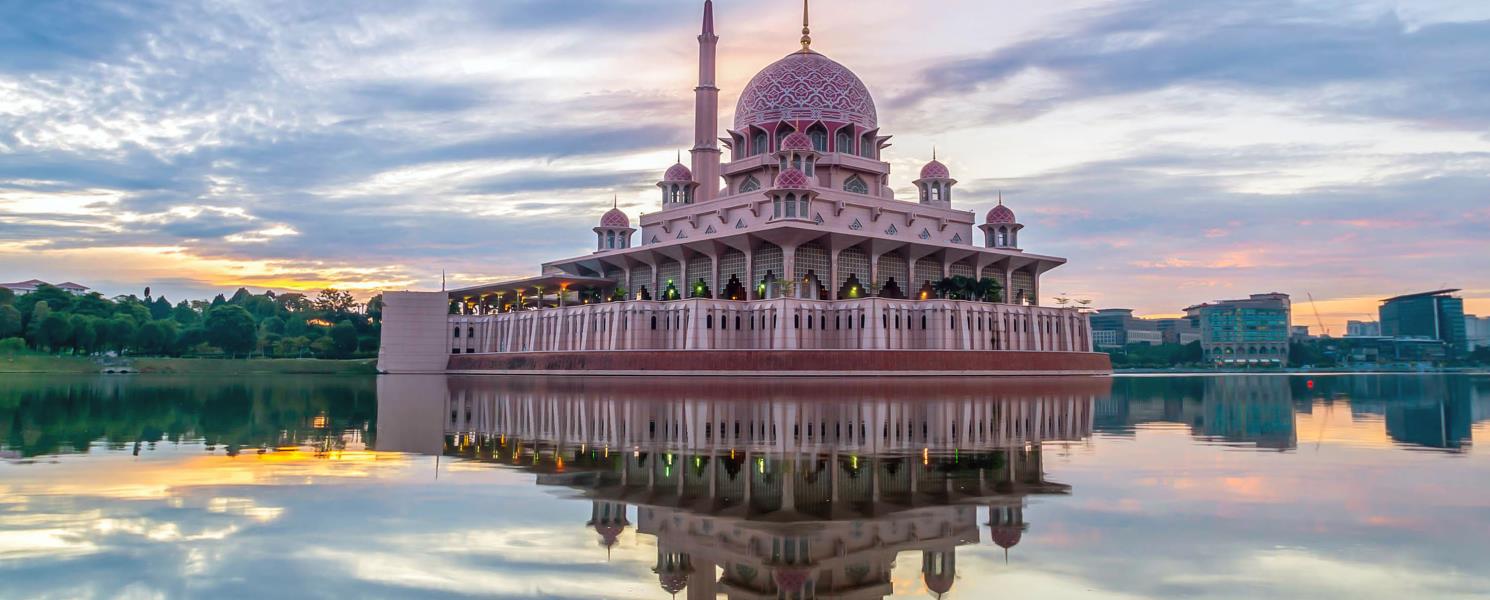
(1229, 487)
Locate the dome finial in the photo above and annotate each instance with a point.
(933, 152)
(615, 201)
(806, 30)
(1001, 197)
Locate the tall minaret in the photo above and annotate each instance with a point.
(706, 113)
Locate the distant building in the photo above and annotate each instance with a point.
(1299, 333)
(1362, 328)
(1436, 315)
(1395, 352)
(1178, 331)
(21, 288)
(1476, 332)
(1249, 332)
(1122, 328)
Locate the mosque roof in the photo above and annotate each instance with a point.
(615, 218)
(678, 172)
(792, 179)
(805, 86)
(797, 141)
(1001, 215)
(935, 170)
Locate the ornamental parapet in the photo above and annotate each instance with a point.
(775, 324)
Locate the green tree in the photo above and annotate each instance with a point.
(93, 305)
(121, 332)
(335, 302)
(55, 330)
(344, 338)
(39, 312)
(10, 320)
(241, 296)
(185, 315)
(84, 336)
(232, 329)
(7, 297)
(160, 309)
(375, 308)
(56, 299)
(292, 302)
(273, 325)
(157, 337)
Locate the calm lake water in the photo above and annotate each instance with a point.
(426, 486)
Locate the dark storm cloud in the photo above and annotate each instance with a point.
(1435, 73)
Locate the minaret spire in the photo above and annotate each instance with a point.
(806, 29)
(705, 152)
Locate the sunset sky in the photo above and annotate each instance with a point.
(1175, 151)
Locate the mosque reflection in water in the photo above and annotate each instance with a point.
(752, 489)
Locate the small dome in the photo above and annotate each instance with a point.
(797, 141)
(937, 585)
(609, 534)
(792, 179)
(935, 170)
(615, 218)
(1006, 536)
(1001, 215)
(673, 583)
(679, 173)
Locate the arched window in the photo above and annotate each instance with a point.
(936, 192)
(758, 143)
(866, 146)
(819, 137)
(751, 184)
(844, 141)
(856, 185)
(791, 206)
(797, 162)
(776, 207)
(811, 167)
(1002, 238)
(802, 209)
(610, 239)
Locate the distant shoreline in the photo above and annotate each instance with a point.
(79, 365)
(1436, 371)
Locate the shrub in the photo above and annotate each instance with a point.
(12, 346)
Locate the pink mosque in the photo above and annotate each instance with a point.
(794, 257)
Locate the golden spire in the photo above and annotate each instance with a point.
(806, 30)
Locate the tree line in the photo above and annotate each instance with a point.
(330, 324)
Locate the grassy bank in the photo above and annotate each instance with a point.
(36, 363)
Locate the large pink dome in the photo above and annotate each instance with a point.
(805, 86)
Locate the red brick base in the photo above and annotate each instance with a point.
(788, 362)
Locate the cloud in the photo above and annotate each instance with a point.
(1371, 65)
(1207, 147)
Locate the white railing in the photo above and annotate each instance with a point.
(776, 324)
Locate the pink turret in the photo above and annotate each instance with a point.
(705, 151)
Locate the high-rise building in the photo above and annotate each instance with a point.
(1178, 331)
(1123, 328)
(1362, 328)
(1436, 315)
(1476, 332)
(1249, 332)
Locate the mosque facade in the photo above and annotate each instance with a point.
(796, 242)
